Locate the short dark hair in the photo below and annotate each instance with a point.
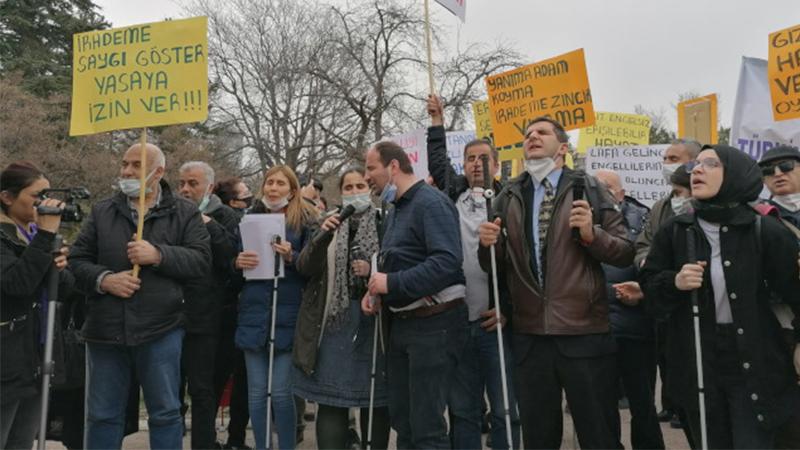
(18, 176)
(226, 189)
(475, 142)
(561, 134)
(355, 169)
(388, 151)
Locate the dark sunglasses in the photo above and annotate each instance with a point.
(785, 166)
(247, 200)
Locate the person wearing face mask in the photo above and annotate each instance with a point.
(333, 340)
(479, 367)
(750, 378)
(780, 168)
(280, 194)
(233, 192)
(205, 298)
(26, 257)
(421, 281)
(137, 324)
(561, 339)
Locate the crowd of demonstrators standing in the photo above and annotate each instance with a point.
(136, 324)
(204, 299)
(479, 366)
(280, 193)
(421, 281)
(333, 342)
(750, 386)
(561, 339)
(26, 257)
(632, 328)
(780, 168)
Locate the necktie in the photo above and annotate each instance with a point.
(545, 215)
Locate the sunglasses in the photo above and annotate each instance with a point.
(247, 200)
(785, 166)
(707, 163)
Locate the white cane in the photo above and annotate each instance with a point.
(47, 363)
(698, 350)
(275, 240)
(488, 194)
(374, 264)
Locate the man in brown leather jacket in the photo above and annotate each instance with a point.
(561, 338)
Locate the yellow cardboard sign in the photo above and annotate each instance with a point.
(557, 87)
(483, 130)
(140, 76)
(615, 129)
(783, 70)
(697, 119)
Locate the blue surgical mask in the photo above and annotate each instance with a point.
(204, 202)
(132, 186)
(680, 205)
(361, 202)
(389, 193)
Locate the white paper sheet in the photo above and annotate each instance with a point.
(258, 232)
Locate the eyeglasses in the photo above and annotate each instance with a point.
(248, 200)
(785, 166)
(707, 163)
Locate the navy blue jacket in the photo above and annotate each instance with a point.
(255, 302)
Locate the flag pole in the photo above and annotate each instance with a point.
(428, 44)
(142, 192)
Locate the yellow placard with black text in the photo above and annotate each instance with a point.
(140, 76)
(783, 70)
(615, 129)
(557, 87)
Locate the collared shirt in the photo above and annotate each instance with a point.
(472, 212)
(421, 249)
(538, 195)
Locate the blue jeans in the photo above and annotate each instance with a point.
(422, 357)
(158, 367)
(257, 362)
(479, 368)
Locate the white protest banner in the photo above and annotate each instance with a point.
(753, 129)
(456, 140)
(416, 146)
(639, 167)
(457, 7)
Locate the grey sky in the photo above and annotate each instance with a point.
(637, 51)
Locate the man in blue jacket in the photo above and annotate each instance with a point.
(136, 324)
(421, 281)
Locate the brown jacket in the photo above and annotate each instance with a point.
(573, 301)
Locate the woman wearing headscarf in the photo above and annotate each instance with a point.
(333, 351)
(750, 382)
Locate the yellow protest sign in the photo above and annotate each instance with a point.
(615, 129)
(697, 119)
(140, 76)
(483, 130)
(783, 71)
(557, 87)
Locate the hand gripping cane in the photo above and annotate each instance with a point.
(47, 363)
(488, 194)
(275, 240)
(698, 351)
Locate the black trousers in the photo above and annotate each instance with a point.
(197, 364)
(542, 370)
(636, 360)
(230, 362)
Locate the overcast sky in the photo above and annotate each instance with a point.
(637, 51)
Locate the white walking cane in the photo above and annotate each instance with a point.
(488, 194)
(275, 240)
(691, 254)
(48, 364)
(374, 363)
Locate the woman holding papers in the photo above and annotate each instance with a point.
(333, 341)
(280, 194)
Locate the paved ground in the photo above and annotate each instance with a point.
(673, 439)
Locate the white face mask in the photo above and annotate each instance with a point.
(361, 202)
(539, 168)
(204, 202)
(680, 205)
(790, 202)
(277, 206)
(668, 169)
(132, 186)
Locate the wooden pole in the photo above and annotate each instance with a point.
(142, 192)
(428, 44)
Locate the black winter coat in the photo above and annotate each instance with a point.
(175, 227)
(23, 277)
(206, 296)
(749, 267)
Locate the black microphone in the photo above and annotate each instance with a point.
(577, 194)
(346, 212)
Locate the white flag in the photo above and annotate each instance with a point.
(753, 130)
(457, 7)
